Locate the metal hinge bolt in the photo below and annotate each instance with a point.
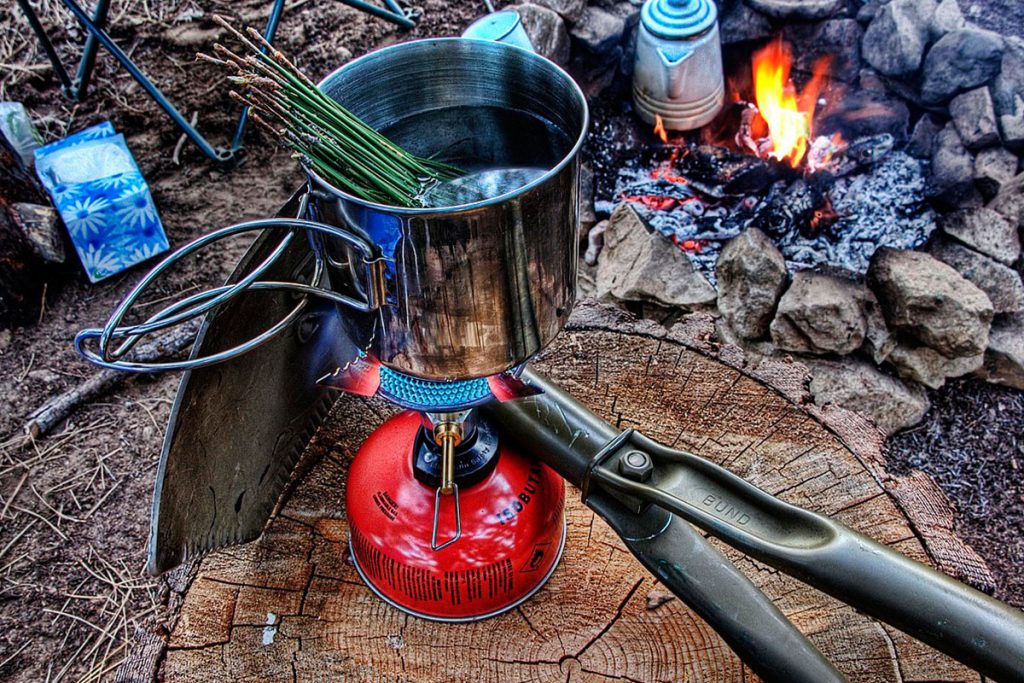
(636, 465)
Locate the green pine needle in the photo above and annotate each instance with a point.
(328, 138)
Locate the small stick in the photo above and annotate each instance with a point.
(58, 408)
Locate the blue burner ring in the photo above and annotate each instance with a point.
(416, 393)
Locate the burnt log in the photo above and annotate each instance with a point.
(722, 172)
(290, 606)
(31, 243)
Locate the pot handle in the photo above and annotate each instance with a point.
(671, 61)
(114, 357)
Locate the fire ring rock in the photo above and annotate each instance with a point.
(929, 367)
(820, 314)
(952, 167)
(959, 61)
(547, 32)
(796, 9)
(751, 277)
(896, 38)
(928, 302)
(1001, 283)
(975, 119)
(861, 387)
(986, 231)
(570, 10)
(639, 264)
(1004, 359)
(947, 17)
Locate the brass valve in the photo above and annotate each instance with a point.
(448, 435)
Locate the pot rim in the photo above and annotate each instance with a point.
(567, 159)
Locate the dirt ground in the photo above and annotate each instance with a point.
(74, 509)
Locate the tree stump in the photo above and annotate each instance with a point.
(290, 606)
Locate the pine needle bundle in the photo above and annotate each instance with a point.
(330, 139)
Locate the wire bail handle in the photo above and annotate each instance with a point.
(113, 357)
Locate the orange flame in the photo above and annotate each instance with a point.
(659, 128)
(789, 115)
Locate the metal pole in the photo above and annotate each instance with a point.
(44, 42)
(88, 60)
(147, 85)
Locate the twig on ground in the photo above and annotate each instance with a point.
(58, 408)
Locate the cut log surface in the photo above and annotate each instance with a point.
(291, 607)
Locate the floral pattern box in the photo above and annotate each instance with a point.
(104, 200)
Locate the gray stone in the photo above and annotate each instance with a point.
(820, 314)
(985, 230)
(923, 137)
(570, 10)
(868, 79)
(5, 341)
(595, 242)
(1008, 95)
(1004, 359)
(1008, 86)
(947, 17)
(547, 32)
(838, 39)
(751, 278)
(869, 10)
(896, 38)
(737, 23)
(959, 61)
(929, 367)
(1009, 203)
(878, 341)
(975, 119)
(928, 302)
(797, 9)
(952, 167)
(598, 30)
(1002, 284)
(859, 386)
(639, 264)
(994, 168)
(1011, 128)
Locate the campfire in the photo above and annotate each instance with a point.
(777, 158)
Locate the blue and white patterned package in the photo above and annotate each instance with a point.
(104, 200)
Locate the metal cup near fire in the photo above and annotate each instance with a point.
(678, 69)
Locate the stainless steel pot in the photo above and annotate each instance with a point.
(474, 289)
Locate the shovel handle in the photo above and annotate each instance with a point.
(960, 621)
(563, 434)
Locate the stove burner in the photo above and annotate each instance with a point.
(432, 395)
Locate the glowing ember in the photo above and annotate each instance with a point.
(652, 201)
(789, 115)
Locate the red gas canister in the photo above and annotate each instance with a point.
(512, 529)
